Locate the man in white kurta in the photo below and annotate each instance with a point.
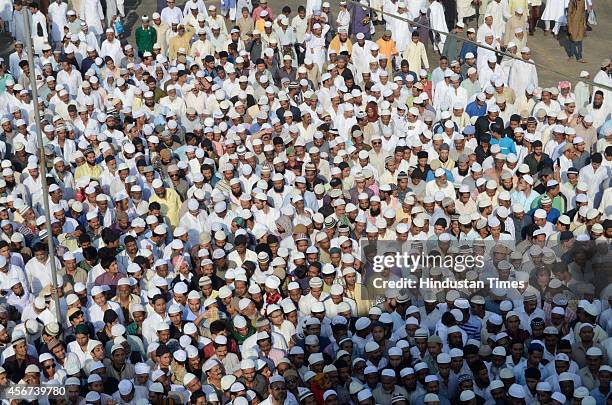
(486, 54)
(602, 77)
(39, 31)
(171, 13)
(465, 9)
(111, 47)
(437, 21)
(555, 12)
(401, 29)
(57, 17)
(315, 46)
(523, 73)
(361, 53)
(500, 12)
(91, 12)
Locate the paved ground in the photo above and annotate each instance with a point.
(545, 49)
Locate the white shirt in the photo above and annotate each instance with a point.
(71, 80)
(39, 274)
(112, 49)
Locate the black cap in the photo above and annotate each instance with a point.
(495, 127)
(546, 171)
(109, 316)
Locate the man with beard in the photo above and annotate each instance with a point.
(90, 168)
(63, 178)
(481, 378)
(599, 109)
(28, 226)
(12, 187)
(358, 189)
(169, 201)
(446, 212)
(18, 296)
(227, 173)
(236, 192)
(279, 191)
(462, 170)
(177, 182)
(311, 176)
(5, 338)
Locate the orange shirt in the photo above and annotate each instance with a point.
(387, 48)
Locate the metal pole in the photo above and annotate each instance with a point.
(43, 166)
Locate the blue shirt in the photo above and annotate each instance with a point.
(449, 175)
(466, 48)
(472, 327)
(474, 110)
(552, 216)
(506, 145)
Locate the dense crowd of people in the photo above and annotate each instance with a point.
(222, 189)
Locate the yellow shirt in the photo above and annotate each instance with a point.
(170, 206)
(336, 45)
(260, 25)
(94, 172)
(177, 42)
(361, 296)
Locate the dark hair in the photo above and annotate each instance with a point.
(109, 235)
(157, 297)
(596, 158)
(477, 366)
(40, 247)
(448, 319)
(217, 326)
(161, 350)
(564, 345)
(199, 393)
(110, 316)
(84, 237)
(90, 254)
(105, 252)
(300, 271)
(341, 364)
(240, 240)
(106, 262)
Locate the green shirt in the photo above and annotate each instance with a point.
(558, 202)
(3, 80)
(145, 39)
